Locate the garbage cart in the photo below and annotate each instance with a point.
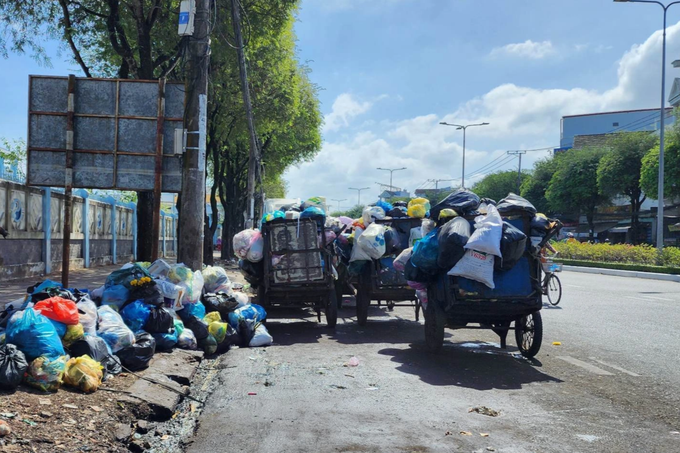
(514, 304)
(298, 268)
(379, 280)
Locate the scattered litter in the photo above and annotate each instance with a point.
(349, 375)
(252, 393)
(7, 415)
(353, 362)
(448, 433)
(70, 406)
(29, 422)
(557, 343)
(4, 428)
(96, 408)
(465, 433)
(371, 388)
(484, 434)
(490, 449)
(675, 432)
(44, 402)
(45, 414)
(339, 387)
(485, 411)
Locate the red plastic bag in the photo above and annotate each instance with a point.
(58, 309)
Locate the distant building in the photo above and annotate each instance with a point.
(433, 193)
(601, 124)
(390, 194)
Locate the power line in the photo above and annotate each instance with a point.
(495, 167)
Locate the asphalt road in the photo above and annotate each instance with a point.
(611, 386)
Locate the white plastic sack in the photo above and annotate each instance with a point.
(476, 266)
(215, 279)
(88, 317)
(371, 213)
(256, 250)
(243, 241)
(427, 225)
(488, 232)
(371, 244)
(261, 337)
(241, 298)
(415, 235)
(113, 330)
(187, 339)
(191, 282)
(97, 293)
(159, 268)
(400, 261)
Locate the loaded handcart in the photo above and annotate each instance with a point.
(298, 269)
(380, 281)
(513, 304)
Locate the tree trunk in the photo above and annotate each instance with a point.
(208, 258)
(590, 218)
(144, 218)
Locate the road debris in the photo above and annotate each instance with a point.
(352, 362)
(465, 433)
(484, 434)
(4, 428)
(485, 411)
(557, 343)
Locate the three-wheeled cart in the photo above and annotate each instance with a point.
(514, 304)
(298, 268)
(379, 280)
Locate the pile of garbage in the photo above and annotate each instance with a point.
(77, 337)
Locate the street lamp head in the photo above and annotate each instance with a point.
(459, 128)
(486, 124)
(621, 1)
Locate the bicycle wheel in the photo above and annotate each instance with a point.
(554, 289)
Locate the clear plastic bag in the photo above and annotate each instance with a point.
(372, 213)
(243, 241)
(113, 330)
(215, 279)
(191, 282)
(87, 314)
(83, 373)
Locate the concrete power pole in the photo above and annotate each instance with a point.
(192, 208)
(519, 168)
(254, 159)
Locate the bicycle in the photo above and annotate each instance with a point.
(551, 286)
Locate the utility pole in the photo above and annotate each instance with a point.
(192, 209)
(359, 193)
(391, 170)
(437, 181)
(464, 129)
(519, 168)
(254, 159)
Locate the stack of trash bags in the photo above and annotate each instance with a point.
(56, 336)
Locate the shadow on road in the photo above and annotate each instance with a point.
(475, 365)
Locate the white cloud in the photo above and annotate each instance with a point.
(344, 109)
(527, 49)
(520, 117)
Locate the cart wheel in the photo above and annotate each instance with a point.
(390, 305)
(435, 320)
(332, 309)
(553, 288)
(529, 334)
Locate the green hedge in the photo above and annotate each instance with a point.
(618, 253)
(620, 266)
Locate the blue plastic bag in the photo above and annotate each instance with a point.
(387, 207)
(47, 284)
(193, 309)
(425, 253)
(165, 341)
(35, 336)
(135, 315)
(115, 295)
(252, 312)
(60, 327)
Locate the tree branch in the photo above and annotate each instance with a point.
(153, 13)
(88, 10)
(117, 36)
(69, 37)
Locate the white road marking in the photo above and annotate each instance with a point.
(615, 367)
(656, 298)
(585, 365)
(572, 286)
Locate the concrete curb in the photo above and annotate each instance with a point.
(620, 273)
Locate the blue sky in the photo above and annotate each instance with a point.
(390, 70)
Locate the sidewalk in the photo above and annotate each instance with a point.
(89, 278)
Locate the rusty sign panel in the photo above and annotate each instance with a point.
(120, 129)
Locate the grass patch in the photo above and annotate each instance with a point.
(621, 266)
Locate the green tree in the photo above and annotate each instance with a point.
(498, 185)
(536, 184)
(353, 213)
(649, 174)
(619, 171)
(573, 188)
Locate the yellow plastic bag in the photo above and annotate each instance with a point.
(73, 334)
(84, 373)
(218, 330)
(417, 211)
(45, 374)
(447, 213)
(420, 201)
(211, 317)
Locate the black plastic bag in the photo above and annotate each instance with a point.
(488, 201)
(220, 302)
(138, 356)
(462, 201)
(400, 204)
(514, 203)
(413, 274)
(539, 226)
(397, 212)
(452, 239)
(13, 365)
(150, 294)
(159, 321)
(252, 272)
(246, 331)
(165, 341)
(513, 244)
(392, 241)
(197, 326)
(96, 348)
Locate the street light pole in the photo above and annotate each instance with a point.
(662, 122)
(359, 193)
(391, 170)
(464, 128)
(335, 199)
